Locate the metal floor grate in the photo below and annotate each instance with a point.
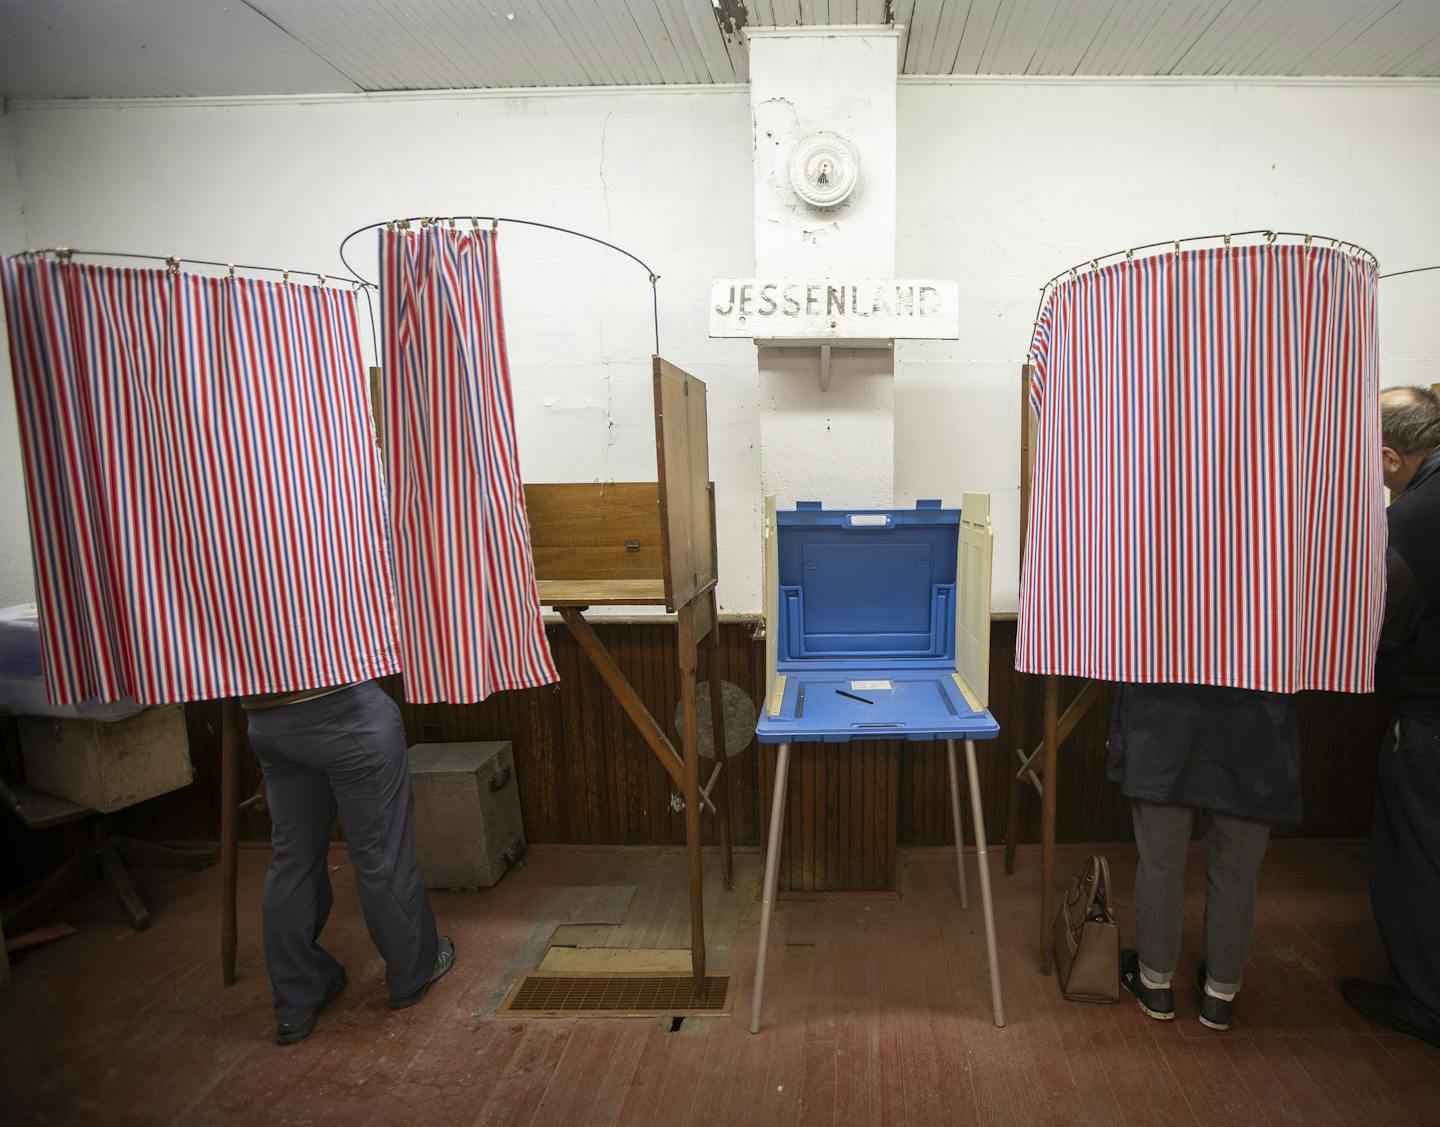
(616, 995)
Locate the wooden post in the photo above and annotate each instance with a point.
(1020, 722)
(689, 733)
(1047, 821)
(717, 740)
(229, 833)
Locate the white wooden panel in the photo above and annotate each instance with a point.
(144, 48)
(173, 47)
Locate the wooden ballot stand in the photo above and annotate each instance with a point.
(649, 543)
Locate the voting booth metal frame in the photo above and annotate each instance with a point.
(1037, 766)
(881, 617)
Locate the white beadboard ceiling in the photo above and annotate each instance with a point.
(159, 48)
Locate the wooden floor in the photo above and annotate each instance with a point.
(877, 1013)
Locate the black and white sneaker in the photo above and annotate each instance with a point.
(1158, 1003)
(1214, 1012)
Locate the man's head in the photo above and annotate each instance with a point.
(1409, 430)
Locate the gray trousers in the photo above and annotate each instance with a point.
(1234, 849)
(344, 752)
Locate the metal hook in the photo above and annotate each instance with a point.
(474, 223)
(63, 254)
(285, 277)
(494, 225)
(1227, 240)
(1177, 246)
(1094, 265)
(1072, 273)
(452, 222)
(1130, 255)
(321, 277)
(1308, 239)
(230, 269)
(1270, 237)
(172, 264)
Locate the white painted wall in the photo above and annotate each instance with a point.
(835, 446)
(17, 580)
(1000, 185)
(665, 174)
(1004, 184)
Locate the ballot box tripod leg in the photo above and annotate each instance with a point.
(772, 872)
(955, 817)
(977, 816)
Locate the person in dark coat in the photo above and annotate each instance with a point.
(1405, 830)
(1225, 761)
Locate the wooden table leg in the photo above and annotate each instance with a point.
(1019, 727)
(717, 733)
(689, 652)
(1047, 821)
(229, 833)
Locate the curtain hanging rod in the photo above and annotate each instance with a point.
(173, 262)
(1417, 270)
(495, 220)
(1270, 237)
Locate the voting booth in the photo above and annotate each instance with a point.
(878, 627)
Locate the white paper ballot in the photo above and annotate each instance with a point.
(871, 685)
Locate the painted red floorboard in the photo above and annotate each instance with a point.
(877, 1012)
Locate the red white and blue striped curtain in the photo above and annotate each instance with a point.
(470, 621)
(1207, 503)
(204, 492)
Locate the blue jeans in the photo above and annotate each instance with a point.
(344, 752)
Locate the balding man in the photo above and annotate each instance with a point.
(1405, 834)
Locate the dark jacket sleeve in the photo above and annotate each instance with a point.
(1404, 605)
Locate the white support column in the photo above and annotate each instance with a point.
(836, 443)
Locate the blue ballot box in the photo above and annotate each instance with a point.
(878, 628)
(866, 628)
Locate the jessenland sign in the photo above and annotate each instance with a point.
(834, 309)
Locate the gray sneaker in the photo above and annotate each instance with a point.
(1214, 1012)
(1157, 1003)
(444, 960)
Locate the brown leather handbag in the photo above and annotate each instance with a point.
(1087, 939)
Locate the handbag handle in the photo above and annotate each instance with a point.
(1097, 875)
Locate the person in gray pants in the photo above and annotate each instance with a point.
(1225, 761)
(323, 751)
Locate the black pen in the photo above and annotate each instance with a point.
(852, 696)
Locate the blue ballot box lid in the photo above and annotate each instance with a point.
(865, 625)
